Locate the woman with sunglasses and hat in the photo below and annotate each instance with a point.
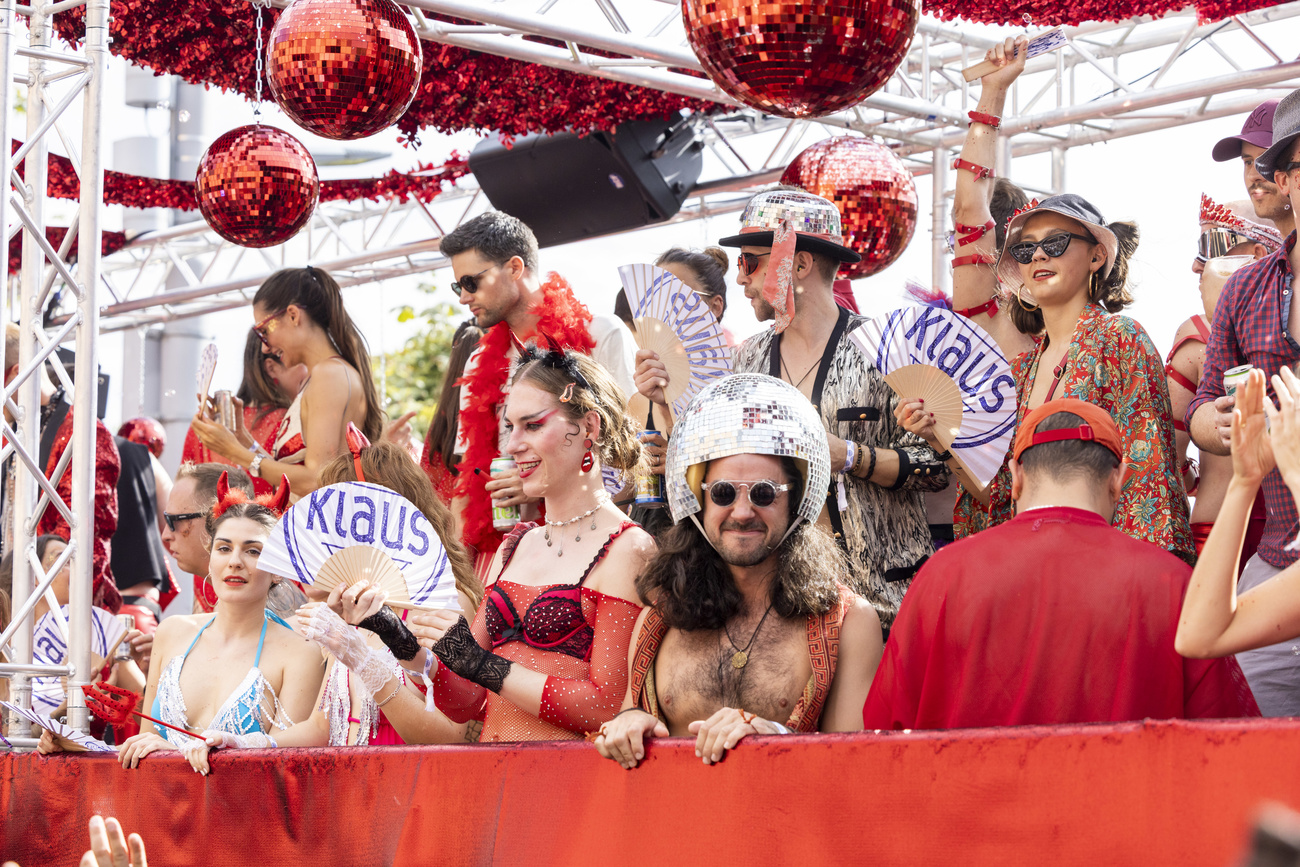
(546, 657)
(301, 319)
(1067, 271)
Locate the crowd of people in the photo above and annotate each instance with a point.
(794, 581)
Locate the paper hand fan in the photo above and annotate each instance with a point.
(207, 366)
(70, 739)
(350, 514)
(948, 347)
(671, 319)
(1049, 40)
(364, 563)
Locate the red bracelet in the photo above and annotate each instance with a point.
(987, 119)
(990, 307)
(971, 234)
(980, 172)
(980, 258)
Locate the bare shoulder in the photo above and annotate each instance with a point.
(626, 559)
(329, 375)
(861, 623)
(1187, 329)
(175, 632)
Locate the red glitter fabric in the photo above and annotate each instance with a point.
(562, 318)
(801, 58)
(579, 695)
(256, 186)
(108, 464)
(109, 242)
(873, 191)
(344, 69)
(262, 429)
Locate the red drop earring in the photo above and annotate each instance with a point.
(588, 460)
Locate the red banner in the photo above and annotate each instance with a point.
(1154, 793)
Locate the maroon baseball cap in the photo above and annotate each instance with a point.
(1257, 130)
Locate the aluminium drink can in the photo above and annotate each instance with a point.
(503, 518)
(225, 409)
(124, 649)
(650, 486)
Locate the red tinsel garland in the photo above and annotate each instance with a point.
(212, 41)
(136, 191)
(1053, 13)
(563, 318)
(109, 242)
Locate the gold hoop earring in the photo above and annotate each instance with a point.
(1021, 301)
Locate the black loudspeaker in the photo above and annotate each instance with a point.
(567, 187)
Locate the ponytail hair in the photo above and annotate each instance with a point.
(1111, 292)
(316, 293)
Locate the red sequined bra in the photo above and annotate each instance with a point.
(554, 620)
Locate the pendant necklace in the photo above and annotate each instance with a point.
(600, 501)
(740, 658)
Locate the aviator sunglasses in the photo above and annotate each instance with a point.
(469, 283)
(761, 493)
(1054, 246)
(748, 262)
(1217, 242)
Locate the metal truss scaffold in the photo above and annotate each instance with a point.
(56, 81)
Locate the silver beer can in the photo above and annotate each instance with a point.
(225, 408)
(504, 518)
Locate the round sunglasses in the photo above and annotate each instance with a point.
(1053, 246)
(761, 494)
(469, 283)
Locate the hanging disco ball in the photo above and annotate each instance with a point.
(873, 190)
(256, 186)
(800, 58)
(344, 69)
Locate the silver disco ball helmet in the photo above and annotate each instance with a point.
(746, 414)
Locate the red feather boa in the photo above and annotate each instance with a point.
(563, 318)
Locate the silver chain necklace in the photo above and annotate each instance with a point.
(590, 513)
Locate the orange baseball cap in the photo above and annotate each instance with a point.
(1098, 427)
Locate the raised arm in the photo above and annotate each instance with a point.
(1215, 621)
(974, 283)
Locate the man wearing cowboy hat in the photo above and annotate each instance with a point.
(1044, 637)
(1256, 323)
(790, 250)
(763, 636)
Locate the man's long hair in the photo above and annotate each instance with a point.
(691, 586)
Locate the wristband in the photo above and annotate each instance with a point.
(971, 234)
(980, 258)
(393, 632)
(991, 120)
(850, 456)
(392, 695)
(980, 172)
(945, 455)
(871, 467)
(780, 729)
(857, 460)
(255, 465)
(990, 307)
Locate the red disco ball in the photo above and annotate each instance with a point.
(256, 186)
(344, 69)
(873, 190)
(800, 58)
(145, 431)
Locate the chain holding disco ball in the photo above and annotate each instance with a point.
(257, 185)
(344, 69)
(873, 190)
(800, 58)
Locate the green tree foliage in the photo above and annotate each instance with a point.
(413, 375)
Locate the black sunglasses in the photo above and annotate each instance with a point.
(748, 262)
(1054, 246)
(469, 283)
(172, 519)
(761, 493)
(1217, 242)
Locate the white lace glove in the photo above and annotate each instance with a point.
(373, 667)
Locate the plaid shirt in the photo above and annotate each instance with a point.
(1250, 326)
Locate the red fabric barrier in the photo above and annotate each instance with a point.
(1155, 793)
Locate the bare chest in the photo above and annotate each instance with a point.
(698, 673)
(210, 678)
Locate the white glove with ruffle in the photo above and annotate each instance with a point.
(373, 667)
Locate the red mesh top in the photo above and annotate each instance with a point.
(583, 689)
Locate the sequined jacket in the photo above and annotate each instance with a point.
(883, 530)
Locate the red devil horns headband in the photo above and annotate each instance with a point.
(357, 443)
(275, 503)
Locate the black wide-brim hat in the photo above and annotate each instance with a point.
(816, 222)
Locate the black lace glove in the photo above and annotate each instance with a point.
(461, 653)
(393, 632)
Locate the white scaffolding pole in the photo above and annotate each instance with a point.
(81, 75)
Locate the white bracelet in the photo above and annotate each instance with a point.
(850, 454)
(255, 466)
(780, 729)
